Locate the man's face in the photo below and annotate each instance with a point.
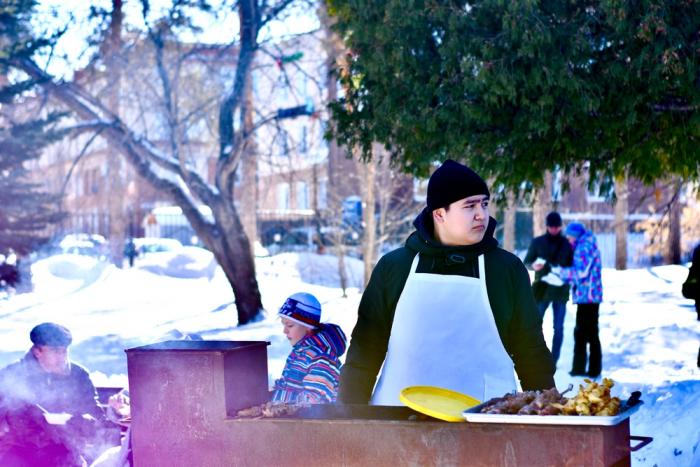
(294, 331)
(553, 230)
(52, 359)
(464, 223)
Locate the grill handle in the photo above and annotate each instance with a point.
(643, 441)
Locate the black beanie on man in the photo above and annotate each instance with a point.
(553, 219)
(451, 182)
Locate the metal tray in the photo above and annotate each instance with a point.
(627, 409)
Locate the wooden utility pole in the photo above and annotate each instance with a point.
(369, 220)
(542, 206)
(673, 253)
(509, 212)
(621, 224)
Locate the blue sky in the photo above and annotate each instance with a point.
(71, 54)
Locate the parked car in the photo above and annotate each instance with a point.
(83, 244)
(155, 245)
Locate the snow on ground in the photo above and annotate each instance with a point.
(649, 333)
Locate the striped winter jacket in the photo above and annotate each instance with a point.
(312, 370)
(585, 274)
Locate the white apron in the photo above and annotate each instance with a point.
(444, 334)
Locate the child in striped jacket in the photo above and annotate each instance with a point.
(312, 369)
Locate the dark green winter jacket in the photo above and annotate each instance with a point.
(508, 287)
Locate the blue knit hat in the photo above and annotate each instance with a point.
(302, 308)
(575, 229)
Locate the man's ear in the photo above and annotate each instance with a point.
(439, 215)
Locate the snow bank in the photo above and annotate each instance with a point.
(186, 262)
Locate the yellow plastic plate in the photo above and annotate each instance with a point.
(441, 403)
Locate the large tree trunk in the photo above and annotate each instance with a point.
(116, 171)
(509, 212)
(542, 206)
(232, 251)
(369, 240)
(673, 254)
(248, 188)
(621, 211)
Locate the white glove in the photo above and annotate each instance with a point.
(553, 279)
(556, 270)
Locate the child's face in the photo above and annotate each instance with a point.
(294, 331)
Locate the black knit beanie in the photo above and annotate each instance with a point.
(451, 182)
(553, 219)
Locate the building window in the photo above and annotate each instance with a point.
(91, 182)
(95, 181)
(322, 194)
(283, 140)
(283, 196)
(303, 144)
(302, 196)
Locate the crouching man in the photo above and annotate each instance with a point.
(49, 413)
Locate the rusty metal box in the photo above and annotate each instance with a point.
(187, 388)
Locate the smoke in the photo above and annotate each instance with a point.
(34, 432)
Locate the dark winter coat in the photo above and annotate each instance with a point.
(508, 287)
(312, 369)
(585, 275)
(691, 286)
(73, 393)
(557, 250)
(26, 389)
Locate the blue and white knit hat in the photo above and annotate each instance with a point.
(302, 308)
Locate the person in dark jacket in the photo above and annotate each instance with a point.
(130, 252)
(551, 249)
(585, 277)
(691, 286)
(312, 369)
(449, 309)
(48, 405)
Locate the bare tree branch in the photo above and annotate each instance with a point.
(136, 149)
(76, 161)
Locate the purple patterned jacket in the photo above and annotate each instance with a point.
(585, 274)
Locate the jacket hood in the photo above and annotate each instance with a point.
(423, 241)
(328, 338)
(586, 237)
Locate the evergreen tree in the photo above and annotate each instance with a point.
(520, 88)
(26, 208)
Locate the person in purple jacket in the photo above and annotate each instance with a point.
(312, 369)
(587, 292)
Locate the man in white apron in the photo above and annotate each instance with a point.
(449, 309)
